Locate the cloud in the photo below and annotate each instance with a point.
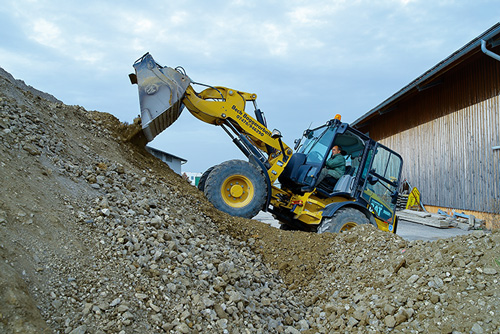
(303, 58)
(179, 18)
(310, 16)
(45, 32)
(274, 39)
(70, 40)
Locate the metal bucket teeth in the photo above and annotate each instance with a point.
(161, 90)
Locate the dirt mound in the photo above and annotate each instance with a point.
(7, 81)
(98, 236)
(133, 133)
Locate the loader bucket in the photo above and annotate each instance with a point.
(161, 90)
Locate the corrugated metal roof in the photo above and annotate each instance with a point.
(165, 153)
(470, 48)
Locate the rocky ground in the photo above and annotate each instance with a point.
(98, 236)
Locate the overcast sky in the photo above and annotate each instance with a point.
(305, 60)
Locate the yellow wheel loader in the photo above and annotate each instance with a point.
(276, 178)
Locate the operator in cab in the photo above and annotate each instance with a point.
(334, 167)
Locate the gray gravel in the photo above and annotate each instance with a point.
(104, 245)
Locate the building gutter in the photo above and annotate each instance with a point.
(488, 52)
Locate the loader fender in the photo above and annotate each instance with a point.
(330, 210)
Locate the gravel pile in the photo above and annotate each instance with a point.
(150, 260)
(98, 236)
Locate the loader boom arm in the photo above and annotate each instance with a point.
(164, 91)
(226, 107)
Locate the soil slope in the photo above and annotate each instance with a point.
(98, 236)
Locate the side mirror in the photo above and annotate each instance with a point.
(394, 197)
(372, 180)
(308, 134)
(297, 143)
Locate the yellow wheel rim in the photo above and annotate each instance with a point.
(237, 191)
(347, 226)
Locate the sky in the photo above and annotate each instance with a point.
(305, 60)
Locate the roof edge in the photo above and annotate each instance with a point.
(475, 43)
(163, 152)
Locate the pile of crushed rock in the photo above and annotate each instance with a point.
(98, 236)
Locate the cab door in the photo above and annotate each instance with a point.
(382, 174)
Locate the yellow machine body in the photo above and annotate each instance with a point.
(165, 91)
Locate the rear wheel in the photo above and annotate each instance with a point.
(236, 187)
(203, 178)
(343, 220)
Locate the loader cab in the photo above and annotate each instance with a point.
(371, 176)
(301, 172)
(314, 149)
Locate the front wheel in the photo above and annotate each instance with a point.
(236, 187)
(343, 220)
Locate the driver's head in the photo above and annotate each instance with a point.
(336, 149)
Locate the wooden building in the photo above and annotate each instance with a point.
(446, 125)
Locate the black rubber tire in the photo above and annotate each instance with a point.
(203, 178)
(246, 197)
(286, 227)
(343, 220)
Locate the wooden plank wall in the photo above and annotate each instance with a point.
(445, 135)
(451, 159)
